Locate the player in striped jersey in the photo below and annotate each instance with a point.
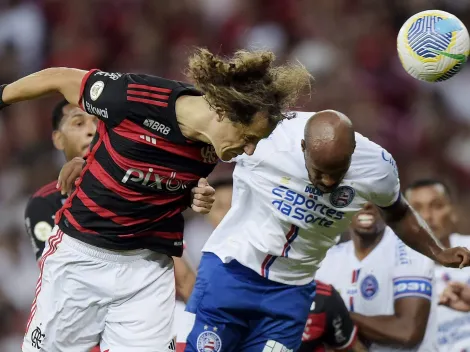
(110, 254)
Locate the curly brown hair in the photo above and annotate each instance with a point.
(247, 83)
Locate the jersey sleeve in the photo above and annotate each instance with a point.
(113, 97)
(39, 222)
(385, 181)
(413, 274)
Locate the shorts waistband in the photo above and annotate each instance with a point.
(104, 254)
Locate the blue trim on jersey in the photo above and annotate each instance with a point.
(291, 239)
(412, 287)
(268, 265)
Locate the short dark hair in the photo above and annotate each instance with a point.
(428, 182)
(58, 114)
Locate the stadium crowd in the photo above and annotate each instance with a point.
(348, 45)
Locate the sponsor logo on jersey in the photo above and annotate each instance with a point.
(148, 139)
(209, 341)
(112, 75)
(389, 159)
(96, 111)
(369, 287)
(340, 337)
(37, 337)
(302, 207)
(342, 196)
(209, 156)
(157, 126)
(96, 90)
(153, 180)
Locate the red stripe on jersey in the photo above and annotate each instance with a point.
(323, 293)
(153, 89)
(315, 327)
(126, 164)
(101, 130)
(147, 101)
(168, 235)
(147, 94)
(115, 187)
(104, 213)
(132, 131)
(323, 286)
(82, 87)
(74, 222)
(45, 190)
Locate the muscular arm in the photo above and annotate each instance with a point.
(66, 81)
(412, 229)
(184, 277)
(406, 328)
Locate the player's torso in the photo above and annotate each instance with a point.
(453, 333)
(280, 224)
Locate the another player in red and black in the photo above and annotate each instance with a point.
(329, 326)
(153, 144)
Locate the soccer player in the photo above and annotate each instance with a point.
(387, 286)
(291, 199)
(433, 201)
(107, 274)
(329, 325)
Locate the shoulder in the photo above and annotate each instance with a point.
(46, 190)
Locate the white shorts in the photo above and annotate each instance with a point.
(86, 296)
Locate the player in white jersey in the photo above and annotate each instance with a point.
(300, 188)
(387, 286)
(433, 201)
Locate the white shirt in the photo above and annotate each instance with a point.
(370, 287)
(453, 334)
(280, 225)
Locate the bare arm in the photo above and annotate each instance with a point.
(184, 277)
(66, 81)
(412, 229)
(406, 328)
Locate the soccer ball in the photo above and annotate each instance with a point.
(433, 45)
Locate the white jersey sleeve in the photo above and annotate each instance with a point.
(385, 182)
(413, 274)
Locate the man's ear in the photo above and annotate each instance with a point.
(302, 143)
(58, 140)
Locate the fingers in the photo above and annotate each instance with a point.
(200, 210)
(465, 254)
(202, 182)
(456, 286)
(205, 191)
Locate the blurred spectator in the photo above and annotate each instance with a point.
(349, 45)
(433, 201)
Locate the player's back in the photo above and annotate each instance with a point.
(280, 225)
(391, 271)
(140, 169)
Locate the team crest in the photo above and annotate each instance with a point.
(369, 287)
(209, 341)
(342, 196)
(96, 90)
(209, 156)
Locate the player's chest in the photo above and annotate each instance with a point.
(296, 200)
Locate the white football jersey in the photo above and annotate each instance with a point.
(279, 224)
(453, 331)
(391, 271)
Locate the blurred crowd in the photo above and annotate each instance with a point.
(348, 45)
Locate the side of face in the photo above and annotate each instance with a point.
(232, 139)
(75, 133)
(435, 207)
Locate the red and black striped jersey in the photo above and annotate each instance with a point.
(329, 323)
(39, 215)
(139, 172)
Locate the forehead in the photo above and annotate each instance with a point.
(427, 193)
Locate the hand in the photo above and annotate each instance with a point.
(203, 197)
(69, 174)
(456, 296)
(457, 257)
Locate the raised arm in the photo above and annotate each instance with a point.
(66, 81)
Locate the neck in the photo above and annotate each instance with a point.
(364, 245)
(194, 117)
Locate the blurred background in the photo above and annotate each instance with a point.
(348, 45)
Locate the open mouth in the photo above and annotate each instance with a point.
(365, 220)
